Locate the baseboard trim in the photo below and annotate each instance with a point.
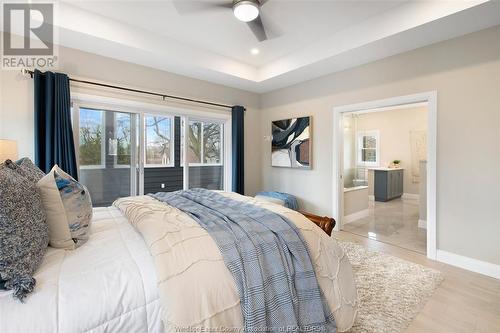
(410, 196)
(356, 216)
(471, 264)
(422, 224)
(371, 197)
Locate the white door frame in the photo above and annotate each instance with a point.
(338, 143)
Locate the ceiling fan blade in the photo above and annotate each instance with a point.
(258, 29)
(186, 7)
(272, 30)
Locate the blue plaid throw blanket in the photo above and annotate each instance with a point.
(289, 200)
(268, 259)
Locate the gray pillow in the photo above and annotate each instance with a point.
(28, 169)
(24, 235)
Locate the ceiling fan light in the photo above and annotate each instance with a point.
(246, 10)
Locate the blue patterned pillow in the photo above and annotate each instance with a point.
(68, 207)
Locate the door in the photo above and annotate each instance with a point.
(107, 153)
(205, 153)
(139, 152)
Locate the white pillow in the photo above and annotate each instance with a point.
(68, 207)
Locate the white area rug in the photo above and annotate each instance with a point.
(392, 291)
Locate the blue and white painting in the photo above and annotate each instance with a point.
(291, 143)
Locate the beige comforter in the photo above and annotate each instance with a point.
(197, 290)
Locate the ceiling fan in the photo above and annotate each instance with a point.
(247, 11)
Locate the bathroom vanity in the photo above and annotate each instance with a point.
(388, 183)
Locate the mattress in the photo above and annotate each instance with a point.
(107, 285)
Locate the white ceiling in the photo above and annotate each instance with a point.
(315, 37)
(299, 23)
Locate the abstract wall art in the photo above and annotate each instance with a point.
(291, 143)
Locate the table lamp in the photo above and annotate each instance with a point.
(8, 150)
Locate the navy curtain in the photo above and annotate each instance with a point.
(54, 142)
(237, 145)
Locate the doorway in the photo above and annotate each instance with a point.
(384, 184)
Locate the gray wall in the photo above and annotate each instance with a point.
(465, 72)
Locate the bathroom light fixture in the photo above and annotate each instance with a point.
(246, 10)
(254, 51)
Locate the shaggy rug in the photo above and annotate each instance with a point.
(391, 290)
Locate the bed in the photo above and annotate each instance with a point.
(108, 285)
(120, 280)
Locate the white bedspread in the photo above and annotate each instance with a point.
(196, 289)
(107, 285)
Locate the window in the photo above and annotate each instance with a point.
(91, 143)
(159, 141)
(123, 131)
(368, 148)
(195, 142)
(212, 137)
(205, 142)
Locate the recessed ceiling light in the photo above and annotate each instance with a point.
(246, 10)
(254, 51)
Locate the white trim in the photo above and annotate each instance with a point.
(133, 106)
(355, 188)
(226, 155)
(397, 107)
(337, 156)
(134, 151)
(410, 196)
(356, 216)
(471, 264)
(371, 197)
(141, 153)
(203, 164)
(422, 224)
(184, 147)
(153, 166)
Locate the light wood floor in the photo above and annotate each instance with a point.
(465, 302)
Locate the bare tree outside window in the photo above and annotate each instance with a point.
(123, 135)
(194, 151)
(205, 140)
(212, 143)
(91, 137)
(158, 140)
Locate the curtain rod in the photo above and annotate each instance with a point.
(164, 96)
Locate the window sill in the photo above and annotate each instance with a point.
(153, 166)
